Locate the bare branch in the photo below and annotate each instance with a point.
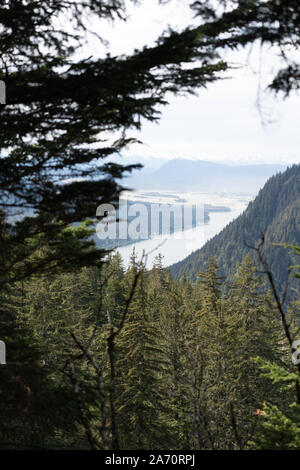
(279, 305)
(84, 419)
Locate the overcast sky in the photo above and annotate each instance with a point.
(222, 123)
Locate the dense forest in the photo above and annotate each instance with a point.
(103, 357)
(273, 214)
(132, 359)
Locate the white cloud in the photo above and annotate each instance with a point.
(222, 123)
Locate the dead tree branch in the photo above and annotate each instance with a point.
(279, 304)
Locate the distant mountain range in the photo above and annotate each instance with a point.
(198, 175)
(275, 213)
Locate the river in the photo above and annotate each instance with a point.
(178, 246)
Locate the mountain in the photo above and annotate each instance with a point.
(275, 212)
(205, 176)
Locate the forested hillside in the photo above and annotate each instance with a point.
(274, 213)
(102, 357)
(130, 359)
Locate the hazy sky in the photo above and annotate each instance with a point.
(222, 123)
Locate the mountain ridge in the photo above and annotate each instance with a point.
(274, 213)
(200, 175)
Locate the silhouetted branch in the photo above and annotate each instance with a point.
(84, 419)
(111, 353)
(234, 427)
(279, 303)
(98, 370)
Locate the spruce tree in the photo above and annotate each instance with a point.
(62, 104)
(144, 376)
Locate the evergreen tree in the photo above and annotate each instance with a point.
(281, 418)
(60, 109)
(144, 376)
(252, 329)
(207, 360)
(36, 409)
(114, 289)
(176, 325)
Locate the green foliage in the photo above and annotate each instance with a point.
(144, 376)
(274, 213)
(185, 369)
(236, 23)
(280, 427)
(62, 109)
(63, 106)
(279, 431)
(36, 409)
